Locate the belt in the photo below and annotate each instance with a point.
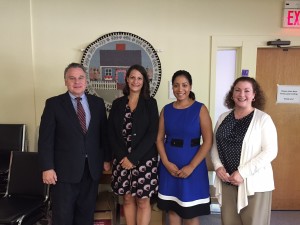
(179, 142)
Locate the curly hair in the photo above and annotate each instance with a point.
(145, 92)
(259, 101)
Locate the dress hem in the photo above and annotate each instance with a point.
(184, 212)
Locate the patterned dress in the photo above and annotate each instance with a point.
(141, 181)
(188, 197)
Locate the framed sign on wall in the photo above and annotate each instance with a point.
(108, 58)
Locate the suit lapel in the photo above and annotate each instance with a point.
(69, 108)
(92, 108)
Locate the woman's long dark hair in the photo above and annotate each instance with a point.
(188, 76)
(145, 91)
(258, 102)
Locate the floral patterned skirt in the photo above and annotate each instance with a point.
(141, 181)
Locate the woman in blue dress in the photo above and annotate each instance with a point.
(183, 178)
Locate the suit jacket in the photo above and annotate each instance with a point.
(62, 145)
(144, 130)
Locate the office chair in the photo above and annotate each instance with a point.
(26, 198)
(12, 138)
(4, 165)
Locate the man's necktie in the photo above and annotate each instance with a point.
(81, 115)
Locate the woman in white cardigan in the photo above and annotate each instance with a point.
(245, 143)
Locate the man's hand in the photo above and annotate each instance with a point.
(49, 177)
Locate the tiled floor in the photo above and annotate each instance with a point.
(277, 218)
(285, 217)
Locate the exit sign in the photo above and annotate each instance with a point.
(291, 14)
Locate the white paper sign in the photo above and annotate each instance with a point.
(289, 94)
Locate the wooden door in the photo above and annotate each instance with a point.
(282, 66)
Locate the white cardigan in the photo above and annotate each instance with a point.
(258, 150)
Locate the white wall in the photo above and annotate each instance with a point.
(39, 38)
(17, 99)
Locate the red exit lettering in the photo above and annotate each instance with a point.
(293, 18)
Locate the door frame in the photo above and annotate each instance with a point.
(246, 56)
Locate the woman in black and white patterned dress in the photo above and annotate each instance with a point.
(133, 125)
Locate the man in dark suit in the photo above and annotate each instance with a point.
(73, 150)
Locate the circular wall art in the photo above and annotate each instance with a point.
(107, 59)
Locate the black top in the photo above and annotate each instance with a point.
(229, 137)
(144, 130)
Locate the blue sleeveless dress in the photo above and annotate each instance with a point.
(187, 197)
